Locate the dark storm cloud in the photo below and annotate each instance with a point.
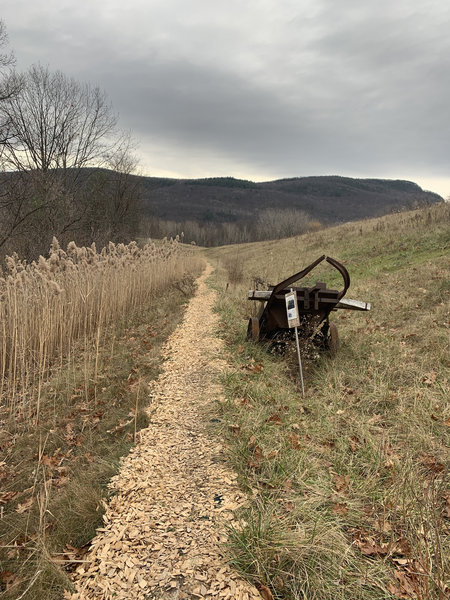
(283, 87)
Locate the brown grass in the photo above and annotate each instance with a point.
(350, 485)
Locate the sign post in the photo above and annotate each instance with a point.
(294, 321)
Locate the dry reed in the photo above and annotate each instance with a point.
(56, 305)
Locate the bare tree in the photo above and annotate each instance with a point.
(56, 130)
(113, 196)
(56, 123)
(9, 85)
(125, 196)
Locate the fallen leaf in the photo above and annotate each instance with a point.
(7, 497)
(50, 461)
(341, 482)
(397, 591)
(234, 428)
(60, 481)
(275, 419)
(294, 441)
(242, 401)
(252, 442)
(401, 562)
(254, 367)
(340, 509)
(266, 594)
(401, 547)
(369, 547)
(407, 585)
(9, 579)
(24, 506)
(354, 443)
(429, 378)
(432, 463)
(255, 461)
(258, 453)
(253, 464)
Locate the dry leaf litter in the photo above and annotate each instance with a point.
(174, 495)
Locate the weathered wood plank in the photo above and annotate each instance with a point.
(350, 304)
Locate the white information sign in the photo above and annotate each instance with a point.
(292, 309)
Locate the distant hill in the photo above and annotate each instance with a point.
(102, 205)
(328, 199)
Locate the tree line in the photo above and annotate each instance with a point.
(267, 224)
(65, 165)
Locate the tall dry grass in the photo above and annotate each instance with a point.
(52, 308)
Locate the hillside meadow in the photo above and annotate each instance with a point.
(349, 485)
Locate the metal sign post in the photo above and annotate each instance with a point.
(294, 321)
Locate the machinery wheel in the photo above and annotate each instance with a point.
(253, 329)
(333, 339)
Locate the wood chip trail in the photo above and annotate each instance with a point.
(174, 494)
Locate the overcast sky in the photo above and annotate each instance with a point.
(260, 89)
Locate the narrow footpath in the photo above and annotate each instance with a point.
(165, 525)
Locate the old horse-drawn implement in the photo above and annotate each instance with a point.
(314, 307)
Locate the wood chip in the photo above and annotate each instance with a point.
(172, 500)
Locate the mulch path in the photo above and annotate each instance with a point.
(165, 525)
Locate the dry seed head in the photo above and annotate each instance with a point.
(55, 287)
(10, 264)
(72, 249)
(43, 265)
(54, 262)
(55, 245)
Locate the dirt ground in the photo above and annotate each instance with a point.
(174, 495)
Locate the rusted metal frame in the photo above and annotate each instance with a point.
(315, 303)
(348, 303)
(290, 280)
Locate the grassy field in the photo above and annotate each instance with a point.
(349, 486)
(81, 336)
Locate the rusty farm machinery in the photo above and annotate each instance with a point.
(313, 306)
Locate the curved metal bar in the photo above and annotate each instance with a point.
(343, 271)
(290, 280)
(293, 278)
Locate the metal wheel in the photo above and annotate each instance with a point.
(253, 329)
(333, 339)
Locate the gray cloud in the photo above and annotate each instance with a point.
(269, 88)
